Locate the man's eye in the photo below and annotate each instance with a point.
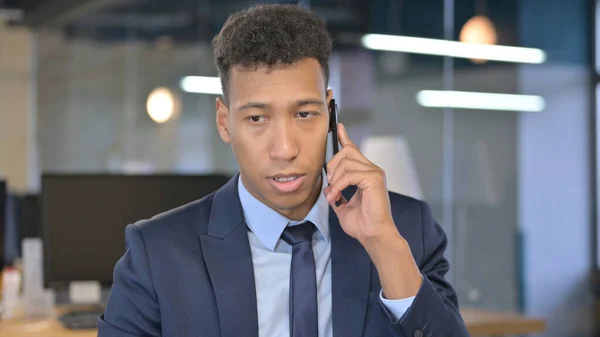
(303, 114)
(256, 119)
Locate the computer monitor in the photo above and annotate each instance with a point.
(28, 215)
(84, 218)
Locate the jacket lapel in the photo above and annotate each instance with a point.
(351, 274)
(228, 259)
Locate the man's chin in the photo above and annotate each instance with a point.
(291, 202)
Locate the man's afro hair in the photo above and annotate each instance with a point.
(271, 35)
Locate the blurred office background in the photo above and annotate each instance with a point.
(512, 179)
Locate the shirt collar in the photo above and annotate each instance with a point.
(268, 225)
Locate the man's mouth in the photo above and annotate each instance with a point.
(289, 182)
(285, 179)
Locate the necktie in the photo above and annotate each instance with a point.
(303, 283)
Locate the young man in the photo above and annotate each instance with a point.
(270, 253)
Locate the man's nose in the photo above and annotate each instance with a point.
(284, 145)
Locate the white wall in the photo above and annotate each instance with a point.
(554, 205)
(18, 157)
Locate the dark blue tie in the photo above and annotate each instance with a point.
(303, 281)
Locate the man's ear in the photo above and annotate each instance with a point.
(223, 119)
(329, 95)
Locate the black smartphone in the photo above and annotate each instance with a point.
(333, 122)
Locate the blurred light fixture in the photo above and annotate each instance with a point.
(479, 100)
(393, 155)
(162, 105)
(201, 85)
(479, 30)
(418, 45)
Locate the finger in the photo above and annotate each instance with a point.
(347, 164)
(337, 202)
(341, 201)
(345, 153)
(362, 179)
(343, 136)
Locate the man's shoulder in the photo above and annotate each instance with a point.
(410, 216)
(402, 203)
(184, 219)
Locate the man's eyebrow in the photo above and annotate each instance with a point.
(299, 103)
(251, 105)
(304, 102)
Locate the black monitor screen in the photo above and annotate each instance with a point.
(84, 218)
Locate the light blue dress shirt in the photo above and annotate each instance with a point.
(272, 258)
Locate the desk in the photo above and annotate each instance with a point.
(490, 323)
(479, 323)
(45, 328)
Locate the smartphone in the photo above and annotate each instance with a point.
(333, 122)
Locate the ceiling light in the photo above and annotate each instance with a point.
(201, 85)
(439, 47)
(162, 105)
(479, 29)
(479, 100)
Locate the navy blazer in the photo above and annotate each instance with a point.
(189, 272)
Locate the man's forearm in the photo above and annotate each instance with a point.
(398, 273)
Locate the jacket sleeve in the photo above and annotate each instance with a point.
(132, 307)
(434, 311)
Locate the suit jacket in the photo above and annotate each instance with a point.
(189, 272)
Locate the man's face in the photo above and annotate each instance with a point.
(277, 122)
